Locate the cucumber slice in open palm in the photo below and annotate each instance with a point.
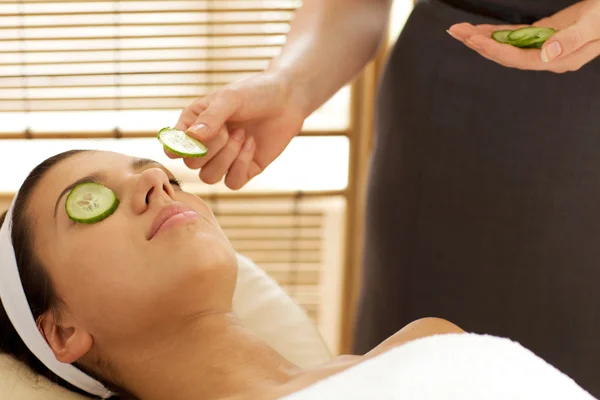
(531, 37)
(178, 142)
(501, 36)
(89, 203)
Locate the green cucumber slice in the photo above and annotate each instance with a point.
(89, 203)
(529, 36)
(501, 36)
(178, 142)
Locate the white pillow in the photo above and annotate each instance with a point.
(268, 311)
(260, 303)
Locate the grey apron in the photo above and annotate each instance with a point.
(484, 194)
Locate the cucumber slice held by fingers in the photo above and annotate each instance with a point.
(178, 142)
(89, 203)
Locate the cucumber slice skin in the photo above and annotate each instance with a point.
(77, 215)
(175, 151)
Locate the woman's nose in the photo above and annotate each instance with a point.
(152, 185)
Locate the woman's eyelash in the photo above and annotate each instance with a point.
(175, 182)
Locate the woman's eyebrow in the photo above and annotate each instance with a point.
(97, 177)
(139, 163)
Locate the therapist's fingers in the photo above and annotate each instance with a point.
(571, 39)
(169, 154)
(244, 168)
(186, 119)
(213, 171)
(216, 110)
(214, 147)
(190, 113)
(575, 61)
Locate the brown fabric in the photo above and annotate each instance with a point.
(484, 199)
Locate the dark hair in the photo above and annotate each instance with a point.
(37, 284)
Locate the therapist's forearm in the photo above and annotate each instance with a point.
(330, 41)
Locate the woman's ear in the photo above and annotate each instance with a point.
(68, 342)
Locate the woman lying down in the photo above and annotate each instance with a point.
(115, 282)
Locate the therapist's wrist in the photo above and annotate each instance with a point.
(295, 87)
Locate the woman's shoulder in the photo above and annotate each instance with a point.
(415, 330)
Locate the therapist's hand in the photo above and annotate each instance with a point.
(576, 43)
(245, 126)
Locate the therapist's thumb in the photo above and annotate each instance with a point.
(569, 40)
(211, 120)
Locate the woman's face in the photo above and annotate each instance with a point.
(119, 278)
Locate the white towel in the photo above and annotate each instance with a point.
(450, 367)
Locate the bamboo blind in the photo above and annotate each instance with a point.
(60, 55)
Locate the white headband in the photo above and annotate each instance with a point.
(18, 311)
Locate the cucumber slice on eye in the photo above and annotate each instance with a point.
(178, 142)
(89, 203)
(501, 36)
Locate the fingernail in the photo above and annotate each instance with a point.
(455, 36)
(198, 129)
(551, 51)
(238, 135)
(249, 145)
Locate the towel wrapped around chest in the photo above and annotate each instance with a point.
(450, 367)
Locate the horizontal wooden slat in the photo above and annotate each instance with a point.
(125, 37)
(273, 234)
(99, 104)
(213, 42)
(261, 213)
(190, 10)
(57, 84)
(208, 47)
(124, 25)
(304, 294)
(118, 62)
(266, 220)
(129, 80)
(291, 245)
(115, 75)
(259, 256)
(144, 134)
(296, 278)
(286, 267)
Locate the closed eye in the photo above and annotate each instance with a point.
(175, 182)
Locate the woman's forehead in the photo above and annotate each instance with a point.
(83, 164)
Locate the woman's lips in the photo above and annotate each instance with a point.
(172, 215)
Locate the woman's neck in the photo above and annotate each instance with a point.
(211, 357)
